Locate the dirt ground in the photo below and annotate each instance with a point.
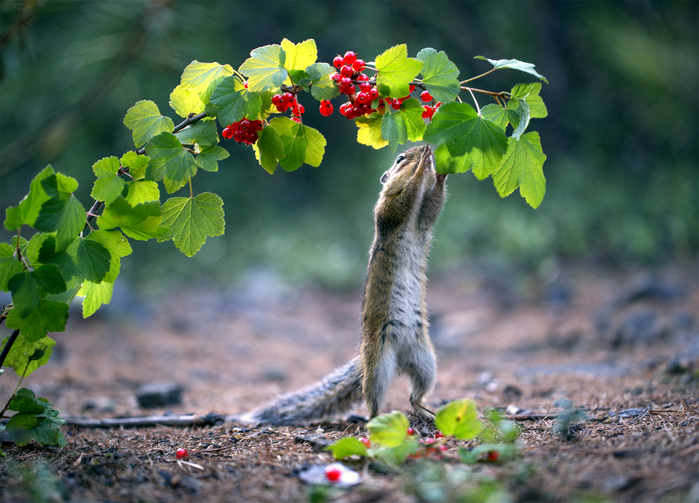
(605, 342)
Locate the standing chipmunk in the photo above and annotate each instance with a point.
(394, 312)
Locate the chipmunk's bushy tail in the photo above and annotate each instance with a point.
(332, 395)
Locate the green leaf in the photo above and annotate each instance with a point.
(185, 101)
(397, 70)
(137, 164)
(202, 132)
(268, 149)
(117, 246)
(497, 114)
(389, 430)
(204, 77)
(299, 56)
(95, 295)
(523, 108)
(265, 68)
(34, 420)
(369, 132)
(190, 221)
(62, 213)
(22, 351)
(145, 121)
(522, 166)
(465, 132)
(411, 110)
(447, 164)
(109, 185)
(48, 317)
(322, 86)
(9, 265)
(480, 452)
(459, 419)
(208, 158)
(302, 144)
(84, 258)
(530, 94)
(28, 287)
(141, 222)
(234, 102)
(348, 446)
(142, 191)
(515, 65)
(439, 75)
(170, 162)
(27, 210)
(397, 455)
(394, 130)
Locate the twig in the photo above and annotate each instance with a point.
(142, 421)
(8, 346)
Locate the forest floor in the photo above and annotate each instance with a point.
(622, 348)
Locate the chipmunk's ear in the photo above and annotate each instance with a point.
(384, 177)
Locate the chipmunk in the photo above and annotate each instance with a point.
(394, 312)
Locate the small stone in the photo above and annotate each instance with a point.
(159, 395)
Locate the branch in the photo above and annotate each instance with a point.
(139, 422)
(8, 346)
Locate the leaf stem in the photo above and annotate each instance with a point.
(478, 76)
(191, 193)
(474, 100)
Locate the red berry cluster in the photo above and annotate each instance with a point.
(350, 71)
(286, 101)
(243, 131)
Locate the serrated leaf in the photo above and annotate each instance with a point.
(459, 419)
(515, 65)
(465, 132)
(397, 455)
(91, 258)
(117, 246)
(202, 132)
(523, 108)
(28, 287)
(95, 294)
(9, 265)
(394, 130)
(234, 102)
(145, 121)
(170, 162)
(397, 70)
(389, 430)
(109, 185)
(497, 114)
(268, 149)
(448, 164)
(411, 110)
(142, 191)
(348, 446)
(19, 357)
(204, 77)
(185, 101)
(26, 211)
(141, 222)
(191, 220)
(439, 75)
(322, 86)
(208, 158)
(522, 166)
(34, 420)
(47, 317)
(530, 94)
(302, 144)
(265, 68)
(369, 132)
(137, 164)
(62, 213)
(299, 56)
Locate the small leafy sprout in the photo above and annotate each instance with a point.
(182, 453)
(459, 419)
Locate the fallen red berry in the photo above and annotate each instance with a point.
(411, 431)
(426, 96)
(181, 453)
(438, 434)
(333, 474)
(366, 442)
(493, 455)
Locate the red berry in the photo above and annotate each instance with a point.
(277, 99)
(427, 441)
(346, 71)
(298, 109)
(428, 111)
(358, 65)
(337, 61)
(282, 108)
(438, 434)
(426, 96)
(373, 94)
(362, 77)
(296, 119)
(437, 105)
(442, 447)
(336, 77)
(411, 431)
(493, 455)
(227, 133)
(362, 97)
(412, 88)
(365, 86)
(395, 105)
(245, 85)
(288, 98)
(181, 453)
(366, 442)
(333, 474)
(326, 108)
(349, 58)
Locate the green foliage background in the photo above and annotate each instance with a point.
(621, 136)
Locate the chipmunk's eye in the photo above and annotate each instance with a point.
(400, 159)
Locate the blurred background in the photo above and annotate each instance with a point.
(621, 136)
